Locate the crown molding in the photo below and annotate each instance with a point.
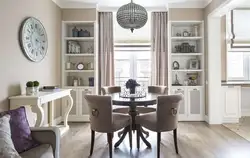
(184, 4)
(114, 9)
(190, 4)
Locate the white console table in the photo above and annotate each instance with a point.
(37, 101)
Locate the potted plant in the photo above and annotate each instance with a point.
(30, 88)
(36, 86)
(131, 84)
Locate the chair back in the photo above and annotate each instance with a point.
(110, 89)
(100, 112)
(167, 112)
(158, 89)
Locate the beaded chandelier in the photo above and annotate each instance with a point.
(132, 16)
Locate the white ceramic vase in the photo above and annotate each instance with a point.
(30, 90)
(36, 90)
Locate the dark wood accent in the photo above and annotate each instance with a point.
(138, 138)
(110, 138)
(158, 144)
(145, 132)
(92, 142)
(175, 141)
(130, 138)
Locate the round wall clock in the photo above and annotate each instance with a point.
(80, 66)
(33, 39)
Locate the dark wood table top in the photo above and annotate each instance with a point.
(149, 99)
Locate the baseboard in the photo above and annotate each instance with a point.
(245, 112)
(230, 120)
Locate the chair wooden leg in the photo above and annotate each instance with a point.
(92, 142)
(158, 144)
(175, 141)
(110, 138)
(130, 139)
(138, 138)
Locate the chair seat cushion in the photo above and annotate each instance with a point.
(143, 110)
(119, 109)
(148, 121)
(41, 151)
(120, 121)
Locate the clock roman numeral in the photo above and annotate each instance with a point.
(29, 45)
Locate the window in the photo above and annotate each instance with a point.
(238, 66)
(132, 62)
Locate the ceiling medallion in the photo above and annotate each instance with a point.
(132, 16)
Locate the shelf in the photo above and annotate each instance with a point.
(185, 54)
(78, 87)
(186, 38)
(187, 70)
(187, 86)
(79, 71)
(82, 54)
(79, 38)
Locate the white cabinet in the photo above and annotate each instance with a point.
(231, 101)
(192, 106)
(79, 111)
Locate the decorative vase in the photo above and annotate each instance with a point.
(75, 32)
(132, 90)
(91, 81)
(30, 90)
(36, 90)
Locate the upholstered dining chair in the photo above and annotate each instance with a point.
(103, 120)
(141, 110)
(164, 119)
(114, 89)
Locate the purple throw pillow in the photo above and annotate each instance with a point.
(20, 130)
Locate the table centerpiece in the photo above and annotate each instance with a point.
(131, 84)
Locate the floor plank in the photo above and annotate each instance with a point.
(195, 140)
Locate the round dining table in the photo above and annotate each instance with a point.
(133, 103)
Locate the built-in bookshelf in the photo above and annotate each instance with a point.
(186, 67)
(79, 64)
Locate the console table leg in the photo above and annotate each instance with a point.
(40, 115)
(67, 110)
(51, 113)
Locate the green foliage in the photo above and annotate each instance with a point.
(36, 83)
(30, 84)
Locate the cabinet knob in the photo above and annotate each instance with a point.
(195, 89)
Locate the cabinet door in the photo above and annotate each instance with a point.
(183, 107)
(73, 111)
(195, 104)
(84, 110)
(232, 102)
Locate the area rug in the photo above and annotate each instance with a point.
(242, 128)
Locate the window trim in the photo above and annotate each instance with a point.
(132, 59)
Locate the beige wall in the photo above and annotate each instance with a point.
(79, 14)
(15, 68)
(186, 14)
(209, 9)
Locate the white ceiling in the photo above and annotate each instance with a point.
(105, 4)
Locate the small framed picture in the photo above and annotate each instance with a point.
(194, 64)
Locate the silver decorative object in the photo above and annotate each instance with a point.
(132, 16)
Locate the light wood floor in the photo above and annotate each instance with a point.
(242, 128)
(195, 140)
